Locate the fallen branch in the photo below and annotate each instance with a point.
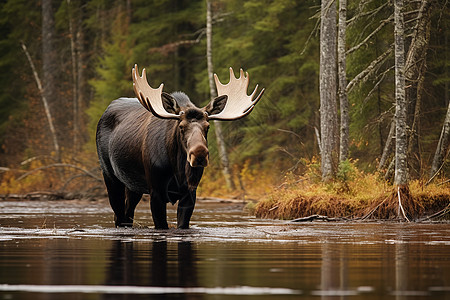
(373, 210)
(60, 165)
(40, 195)
(440, 213)
(319, 218)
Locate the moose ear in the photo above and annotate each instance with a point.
(169, 103)
(216, 105)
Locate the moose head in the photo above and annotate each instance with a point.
(232, 103)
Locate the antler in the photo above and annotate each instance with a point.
(239, 104)
(149, 97)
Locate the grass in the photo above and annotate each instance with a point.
(364, 196)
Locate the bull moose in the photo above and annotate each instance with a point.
(157, 144)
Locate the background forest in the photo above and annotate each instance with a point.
(77, 56)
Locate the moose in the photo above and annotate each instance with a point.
(157, 145)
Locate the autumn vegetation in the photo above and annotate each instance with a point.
(322, 141)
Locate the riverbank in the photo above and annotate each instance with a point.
(365, 198)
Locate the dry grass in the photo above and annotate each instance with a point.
(364, 196)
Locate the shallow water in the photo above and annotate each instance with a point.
(70, 250)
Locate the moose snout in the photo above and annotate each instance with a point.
(199, 157)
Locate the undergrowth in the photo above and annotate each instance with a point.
(353, 194)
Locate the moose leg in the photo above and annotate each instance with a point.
(116, 195)
(132, 199)
(158, 208)
(185, 209)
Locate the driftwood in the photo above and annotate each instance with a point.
(319, 218)
(438, 214)
(42, 195)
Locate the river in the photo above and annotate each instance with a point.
(70, 250)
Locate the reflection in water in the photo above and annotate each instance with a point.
(401, 269)
(133, 264)
(334, 278)
(225, 256)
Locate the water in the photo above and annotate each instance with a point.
(70, 250)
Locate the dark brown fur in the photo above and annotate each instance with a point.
(142, 154)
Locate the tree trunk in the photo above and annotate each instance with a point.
(81, 84)
(342, 75)
(415, 67)
(387, 146)
(49, 69)
(217, 125)
(442, 147)
(401, 142)
(73, 52)
(327, 86)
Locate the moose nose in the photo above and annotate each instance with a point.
(199, 157)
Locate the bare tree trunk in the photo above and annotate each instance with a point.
(415, 67)
(387, 146)
(44, 102)
(81, 84)
(342, 75)
(217, 125)
(327, 86)
(49, 69)
(442, 146)
(401, 142)
(73, 53)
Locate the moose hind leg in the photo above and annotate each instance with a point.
(132, 200)
(116, 195)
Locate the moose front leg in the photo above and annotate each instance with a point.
(185, 209)
(158, 208)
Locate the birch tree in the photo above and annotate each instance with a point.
(342, 75)
(213, 93)
(327, 89)
(401, 142)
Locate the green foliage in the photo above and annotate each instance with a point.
(275, 41)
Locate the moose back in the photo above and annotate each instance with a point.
(157, 144)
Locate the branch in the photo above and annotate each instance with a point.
(383, 23)
(440, 213)
(377, 84)
(400, 204)
(44, 100)
(367, 71)
(60, 165)
(371, 12)
(171, 47)
(319, 218)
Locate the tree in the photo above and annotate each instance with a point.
(217, 125)
(342, 87)
(442, 147)
(327, 82)
(401, 141)
(49, 69)
(415, 67)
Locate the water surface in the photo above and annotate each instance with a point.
(70, 250)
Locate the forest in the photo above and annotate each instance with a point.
(334, 73)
